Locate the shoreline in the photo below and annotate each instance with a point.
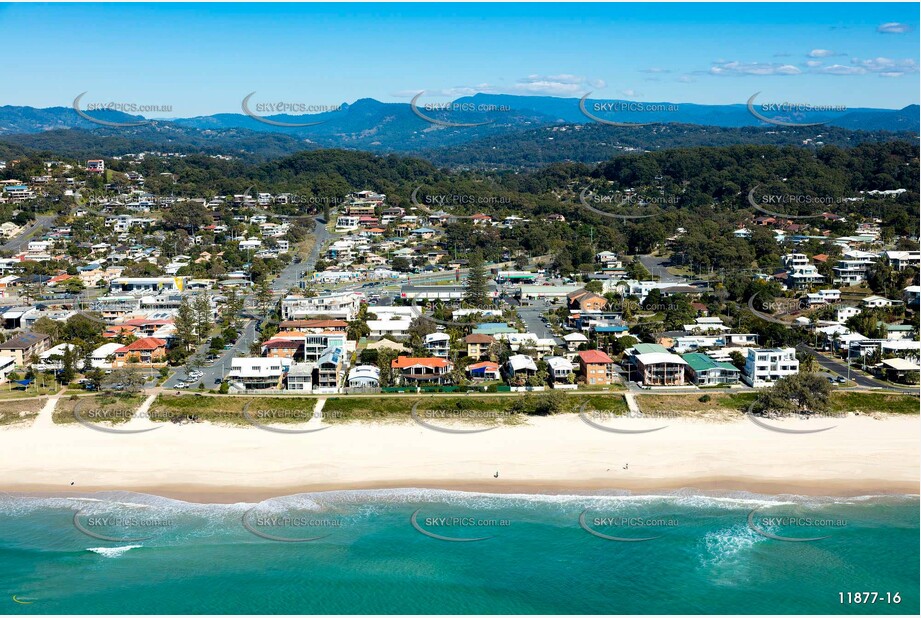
(712, 487)
(858, 455)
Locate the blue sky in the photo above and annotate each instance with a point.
(204, 58)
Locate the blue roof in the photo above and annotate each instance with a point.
(493, 327)
(611, 329)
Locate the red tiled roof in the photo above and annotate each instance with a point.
(275, 344)
(592, 357)
(478, 338)
(484, 365)
(314, 324)
(402, 362)
(147, 343)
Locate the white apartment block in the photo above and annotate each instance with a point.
(342, 305)
(764, 366)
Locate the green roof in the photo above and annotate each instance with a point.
(698, 361)
(702, 362)
(649, 348)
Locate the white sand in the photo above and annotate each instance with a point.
(210, 463)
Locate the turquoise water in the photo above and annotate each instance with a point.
(535, 557)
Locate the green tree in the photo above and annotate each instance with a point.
(476, 291)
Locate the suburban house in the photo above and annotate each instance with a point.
(763, 366)
(583, 300)
(520, 366)
(364, 376)
(300, 377)
(478, 345)
(421, 371)
(24, 346)
(437, 344)
(256, 373)
(596, 367)
(559, 368)
(657, 366)
(328, 370)
(703, 370)
(485, 370)
(144, 351)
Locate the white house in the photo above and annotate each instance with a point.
(437, 344)
(764, 366)
(876, 301)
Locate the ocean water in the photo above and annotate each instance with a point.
(441, 552)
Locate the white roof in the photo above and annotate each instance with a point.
(575, 337)
(558, 362)
(654, 358)
(901, 364)
(521, 361)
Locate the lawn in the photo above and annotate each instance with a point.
(13, 412)
(107, 408)
(719, 406)
(874, 403)
(229, 410)
(474, 409)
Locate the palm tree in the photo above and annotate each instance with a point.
(808, 364)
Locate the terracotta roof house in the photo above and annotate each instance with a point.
(146, 351)
(486, 370)
(478, 345)
(416, 370)
(586, 301)
(597, 367)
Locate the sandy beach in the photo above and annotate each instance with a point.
(208, 463)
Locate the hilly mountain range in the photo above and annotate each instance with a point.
(514, 131)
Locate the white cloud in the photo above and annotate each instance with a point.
(813, 63)
(686, 79)
(893, 27)
(822, 53)
(630, 92)
(841, 69)
(553, 85)
(886, 65)
(891, 74)
(655, 70)
(557, 85)
(753, 68)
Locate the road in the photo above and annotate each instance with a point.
(530, 315)
(837, 367)
(286, 279)
(656, 266)
(19, 243)
(292, 273)
(221, 365)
